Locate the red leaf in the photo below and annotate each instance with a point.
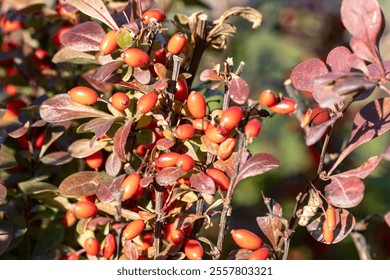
(361, 50)
(3, 193)
(339, 60)
(345, 223)
(364, 170)
(84, 37)
(271, 226)
(95, 9)
(61, 108)
(315, 133)
(120, 140)
(345, 192)
(372, 121)
(169, 175)
(79, 184)
(203, 183)
(209, 75)
(256, 165)
(238, 89)
(105, 72)
(363, 19)
(99, 126)
(303, 75)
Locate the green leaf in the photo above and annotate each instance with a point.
(30, 187)
(49, 238)
(7, 159)
(123, 38)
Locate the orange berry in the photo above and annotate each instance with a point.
(331, 217)
(10, 25)
(185, 162)
(184, 131)
(196, 104)
(246, 239)
(133, 229)
(231, 117)
(83, 95)
(252, 128)
(109, 246)
(267, 98)
(328, 234)
(85, 210)
(173, 235)
(130, 186)
(109, 44)
(201, 124)
(95, 160)
(176, 43)
(120, 101)
(193, 250)
(226, 148)
(214, 135)
(156, 14)
(260, 254)
(135, 57)
(92, 246)
(147, 102)
(167, 160)
(284, 107)
(219, 178)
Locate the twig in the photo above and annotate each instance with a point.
(198, 223)
(159, 220)
(361, 245)
(177, 61)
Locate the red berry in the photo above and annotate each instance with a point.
(226, 148)
(156, 14)
(10, 90)
(83, 95)
(284, 107)
(201, 124)
(120, 101)
(9, 25)
(181, 93)
(135, 57)
(95, 160)
(141, 150)
(160, 56)
(39, 141)
(260, 254)
(219, 178)
(196, 104)
(92, 246)
(109, 246)
(85, 210)
(176, 43)
(56, 40)
(193, 250)
(109, 44)
(246, 239)
(167, 160)
(230, 118)
(185, 162)
(173, 235)
(130, 185)
(133, 229)
(252, 128)
(319, 115)
(267, 98)
(185, 131)
(72, 257)
(214, 135)
(147, 102)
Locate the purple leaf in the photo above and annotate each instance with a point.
(61, 108)
(108, 187)
(363, 19)
(3, 193)
(372, 121)
(82, 148)
(333, 76)
(105, 72)
(18, 130)
(120, 140)
(164, 144)
(315, 133)
(99, 126)
(238, 89)
(271, 226)
(113, 164)
(79, 184)
(142, 75)
(364, 170)
(387, 218)
(339, 60)
(361, 50)
(352, 84)
(56, 158)
(169, 175)
(256, 165)
(303, 75)
(95, 9)
(84, 37)
(325, 96)
(203, 183)
(7, 159)
(345, 223)
(345, 192)
(98, 221)
(209, 75)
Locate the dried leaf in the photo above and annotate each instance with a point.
(95, 9)
(130, 250)
(84, 37)
(345, 222)
(98, 221)
(169, 175)
(256, 165)
(120, 140)
(81, 148)
(113, 164)
(203, 183)
(69, 55)
(3, 193)
(186, 220)
(79, 184)
(106, 71)
(61, 108)
(372, 121)
(7, 159)
(111, 209)
(345, 192)
(238, 89)
(56, 158)
(247, 13)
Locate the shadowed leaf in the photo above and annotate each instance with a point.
(99, 126)
(61, 108)
(56, 158)
(3, 193)
(271, 226)
(95, 9)
(79, 184)
(240, 254)
(82, 148)
(108, 187)
(247, 13)
(315, 133)
(105, 72)
(238, 89)
(84, 37)
(345, 222)
(7, 159)
(345, 192)
(120, 140)
(256, 165)
(203, 183)
(169, 175)
(372, 121)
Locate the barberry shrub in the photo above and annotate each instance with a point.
(126, 156)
